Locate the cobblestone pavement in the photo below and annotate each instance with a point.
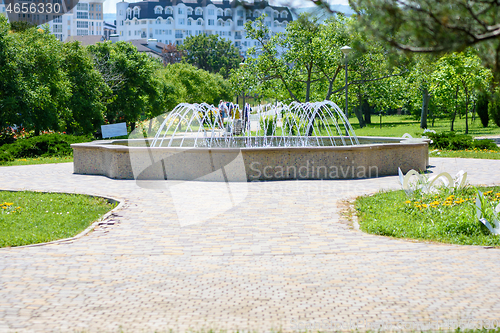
(247, 256)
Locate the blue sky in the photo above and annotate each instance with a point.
(110, 5)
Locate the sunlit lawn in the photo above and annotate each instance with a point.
(34, 217)
(39, 160)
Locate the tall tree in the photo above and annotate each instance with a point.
(85, 109)
(211, 53)
(196, 85)
(135, 85)
(34, 86)
(464, 72)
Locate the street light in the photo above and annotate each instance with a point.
(345, 50)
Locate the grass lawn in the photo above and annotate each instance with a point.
(396, 126)
(34, 217)
(39, 160)
(442, 217)
(484, 154)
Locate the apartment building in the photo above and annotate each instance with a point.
(171, 21)
(86, 18)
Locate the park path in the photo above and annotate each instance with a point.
(276, 257)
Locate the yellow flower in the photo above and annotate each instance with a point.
(407, 201)
(424, 205)
(488, 192)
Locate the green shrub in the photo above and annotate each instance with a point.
(482, 109)
(268, 124)
(494, 107)
(7, 135)
(452, 141)
(48, 145)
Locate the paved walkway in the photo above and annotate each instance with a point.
(265, 256)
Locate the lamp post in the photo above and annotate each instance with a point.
(345, 50)
(242, 66)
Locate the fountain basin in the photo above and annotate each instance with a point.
(134, 159)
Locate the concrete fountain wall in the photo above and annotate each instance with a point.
(127, 159)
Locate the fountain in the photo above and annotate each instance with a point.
(277, 142)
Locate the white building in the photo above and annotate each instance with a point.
(170, 21)
(86, 18)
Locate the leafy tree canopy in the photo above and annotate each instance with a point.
(211, 53)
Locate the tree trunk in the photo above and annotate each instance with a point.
(359, 114)
(466, 111)
(308, 84)
(366, 111)
(454, 113)
(425, 108)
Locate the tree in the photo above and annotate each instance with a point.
(306, 64)
(85, 109)
(34, 86)
(298, 60)
(464, 72)
(431, 26)
(211, 53)
(196, 85)
(494, 107)
(171, 55)
(482, 108)
(136, 88)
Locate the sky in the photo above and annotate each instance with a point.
(110, 5)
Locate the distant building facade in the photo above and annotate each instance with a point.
(85, 19)
(109, 29)
(171, 21)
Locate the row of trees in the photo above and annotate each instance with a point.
(49, 85)
(306, 64)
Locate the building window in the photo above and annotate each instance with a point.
(181, 21)
(189, 21)
(158, 10)
(169, 21)
(82, 6)
(211, 12)
(240, 23)
(220, 23)
(211, 22)
(168, 10)
(199, 22)
(179, 10)
(82, 15)
(220, 12)
(240, 13)
(228, 12)
(228, 23)
(199, 11)
(284, 14)
(129, 33)
(190, 11)
(82, 24)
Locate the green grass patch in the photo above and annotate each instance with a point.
(34, 217)
(442, 217)
(38, 160)
(396, 126)
(467, 153)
